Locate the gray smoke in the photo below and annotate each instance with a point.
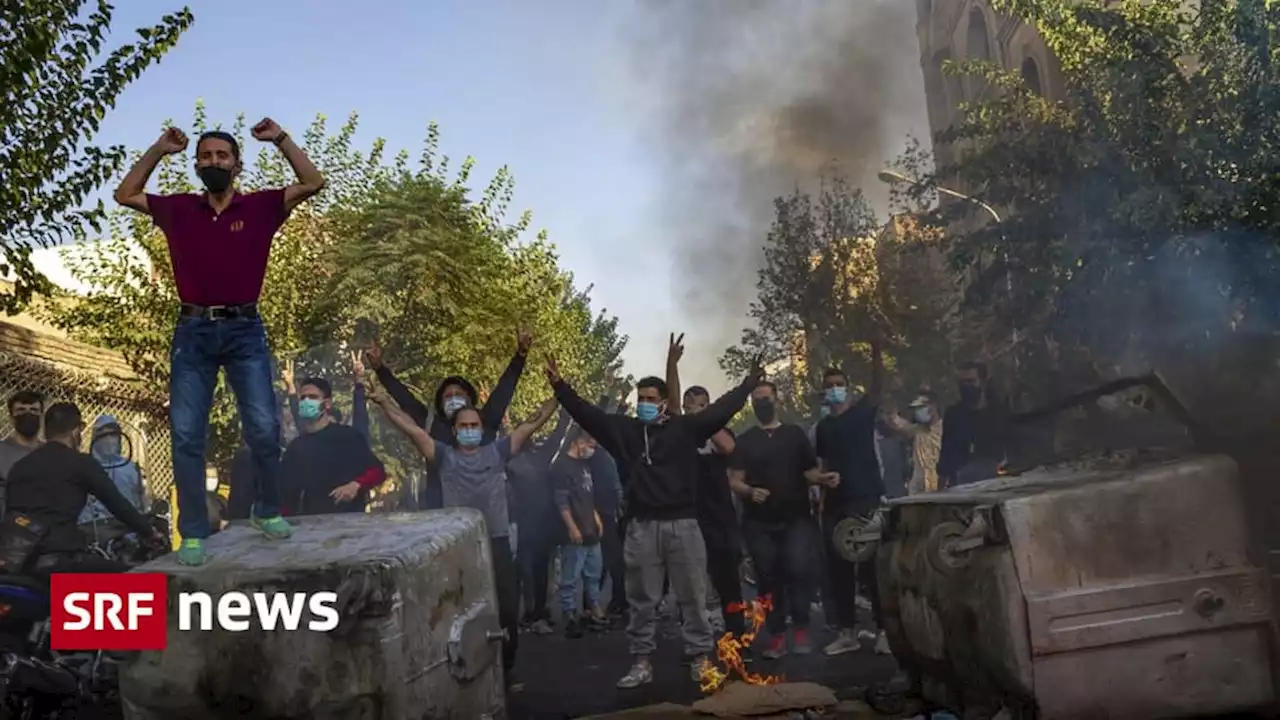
(747, 100)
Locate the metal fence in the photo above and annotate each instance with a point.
(142, 415)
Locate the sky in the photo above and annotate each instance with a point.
(549, 88)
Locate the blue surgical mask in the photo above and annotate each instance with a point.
(310, 408)
(922, 415)
(837, 395)
(647, 411)
(470, 437)
(454, 403)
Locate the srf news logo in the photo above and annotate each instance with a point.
(130, 611)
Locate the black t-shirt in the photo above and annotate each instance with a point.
(571, 478)
(53, 482)
(847, 444)
(528, 474)
(776, 460)
(714, 500)
(317, 463)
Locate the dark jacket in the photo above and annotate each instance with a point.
(658, 462)
(317, 463)
(52, 483)
(972, 437)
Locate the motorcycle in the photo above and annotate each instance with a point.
(39, 683)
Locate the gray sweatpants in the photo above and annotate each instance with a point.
(671, 548)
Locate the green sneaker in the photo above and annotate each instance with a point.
(276, 528)
(191, 552)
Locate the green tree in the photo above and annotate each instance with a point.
(448, 283)
(1141, 208)
(823, 299)
(56, 89)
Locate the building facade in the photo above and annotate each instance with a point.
(960, 30)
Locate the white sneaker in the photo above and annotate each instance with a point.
(882, 645)
(717, 621)
(845, 642)
(640, 674)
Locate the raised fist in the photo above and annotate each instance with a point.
(267, 130)
(172, 141)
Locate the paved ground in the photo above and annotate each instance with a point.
(575, 678)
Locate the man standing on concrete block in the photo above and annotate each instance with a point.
(219, 242)
(660, 454)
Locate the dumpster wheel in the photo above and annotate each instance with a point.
(853, 541)
(941, 548)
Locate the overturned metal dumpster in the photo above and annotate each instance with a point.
(418, 634)
(1117, 583)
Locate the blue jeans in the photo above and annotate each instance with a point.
(579, 563)
(200, 348)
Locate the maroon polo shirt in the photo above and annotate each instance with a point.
(219, 259)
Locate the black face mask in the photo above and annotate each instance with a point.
(970, 394)
(764, 409)
(215, 179)
(27, 425)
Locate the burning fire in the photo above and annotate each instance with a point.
(729, 649)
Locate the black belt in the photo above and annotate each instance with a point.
(220, 312)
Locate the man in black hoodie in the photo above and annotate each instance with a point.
(660, 455)
(453, 393)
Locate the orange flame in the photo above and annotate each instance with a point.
(729, 649)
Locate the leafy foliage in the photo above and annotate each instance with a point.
(386, 250)
(56, 91)
(1141, 211)
(834, 283)
(449, 284)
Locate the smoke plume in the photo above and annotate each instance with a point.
(746, 100)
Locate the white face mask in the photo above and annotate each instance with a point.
(922, 415)
(454, 403)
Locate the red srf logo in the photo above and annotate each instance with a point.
(109, 611)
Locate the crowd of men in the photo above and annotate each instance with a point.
(662, 501)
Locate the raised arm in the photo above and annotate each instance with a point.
(895, 423)
(359, 403)
(405, 424)
(396, 389)
(291, 392)
(675, 351)
(596, 422)
(500, 399)
(526, 429)
(877, 372)
(720, 413)
(132, 192)
(310, 180)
